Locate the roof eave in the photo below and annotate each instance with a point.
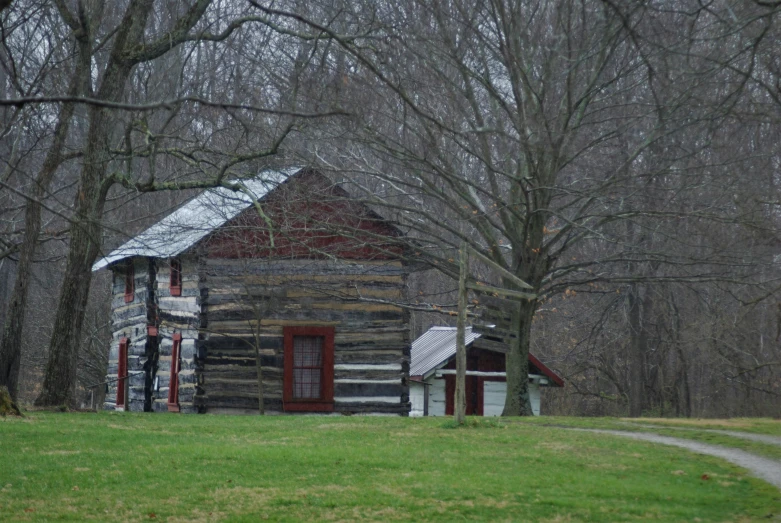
(283, 175)
(555, 378)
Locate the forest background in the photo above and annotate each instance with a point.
(622, 158)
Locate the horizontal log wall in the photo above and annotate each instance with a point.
(129, 321)
(177, 314)
(242, 298)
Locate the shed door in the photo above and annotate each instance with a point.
(474, 391)
(474, 396)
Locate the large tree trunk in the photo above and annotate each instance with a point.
(530, 264)
(86, 233)
(11, 344)
(129, 47)
(60, 378)
(639, 309)
(86, 230)
(517, 401)
(683, 392)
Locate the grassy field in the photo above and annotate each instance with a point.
(135, 467)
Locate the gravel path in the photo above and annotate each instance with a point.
(761, 438)
(763, 468)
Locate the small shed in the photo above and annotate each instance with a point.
(432, 376)
(263, 289)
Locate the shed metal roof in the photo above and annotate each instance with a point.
(191, 222)
(438, 344)
(434, 347)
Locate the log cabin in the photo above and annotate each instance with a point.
(258, 293)
(432, 376)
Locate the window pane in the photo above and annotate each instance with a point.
(307, 366)
(306, 383)
(307, 351)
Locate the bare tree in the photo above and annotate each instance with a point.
(129, 45)
(26, 74)
(586, 147)
(568, 142)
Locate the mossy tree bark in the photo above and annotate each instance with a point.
(7, 405)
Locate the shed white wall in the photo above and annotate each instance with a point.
(493, 397)
(416, 398)
(436, 397)
(494, 393)
(534, 397)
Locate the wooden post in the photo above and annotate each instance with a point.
(460, 399)
(259, 369)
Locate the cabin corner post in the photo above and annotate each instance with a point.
(151, 350)
(405, 386)
(139, 354)
(200, 398)
(130, 289)
(178, 319)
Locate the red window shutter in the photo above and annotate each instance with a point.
(309, 369)
(130, 275)
(176, 277)
(173, 383)
(122, 374)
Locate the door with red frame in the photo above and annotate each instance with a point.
(474, 390)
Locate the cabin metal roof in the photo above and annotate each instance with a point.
(191, 222)
(437, 345)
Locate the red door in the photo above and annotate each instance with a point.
(474, 390)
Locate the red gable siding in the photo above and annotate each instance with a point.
(310, 217)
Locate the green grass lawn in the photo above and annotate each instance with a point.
(142, 467)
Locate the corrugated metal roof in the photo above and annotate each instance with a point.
(186, 226)
(438, 344)
(434, 347)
